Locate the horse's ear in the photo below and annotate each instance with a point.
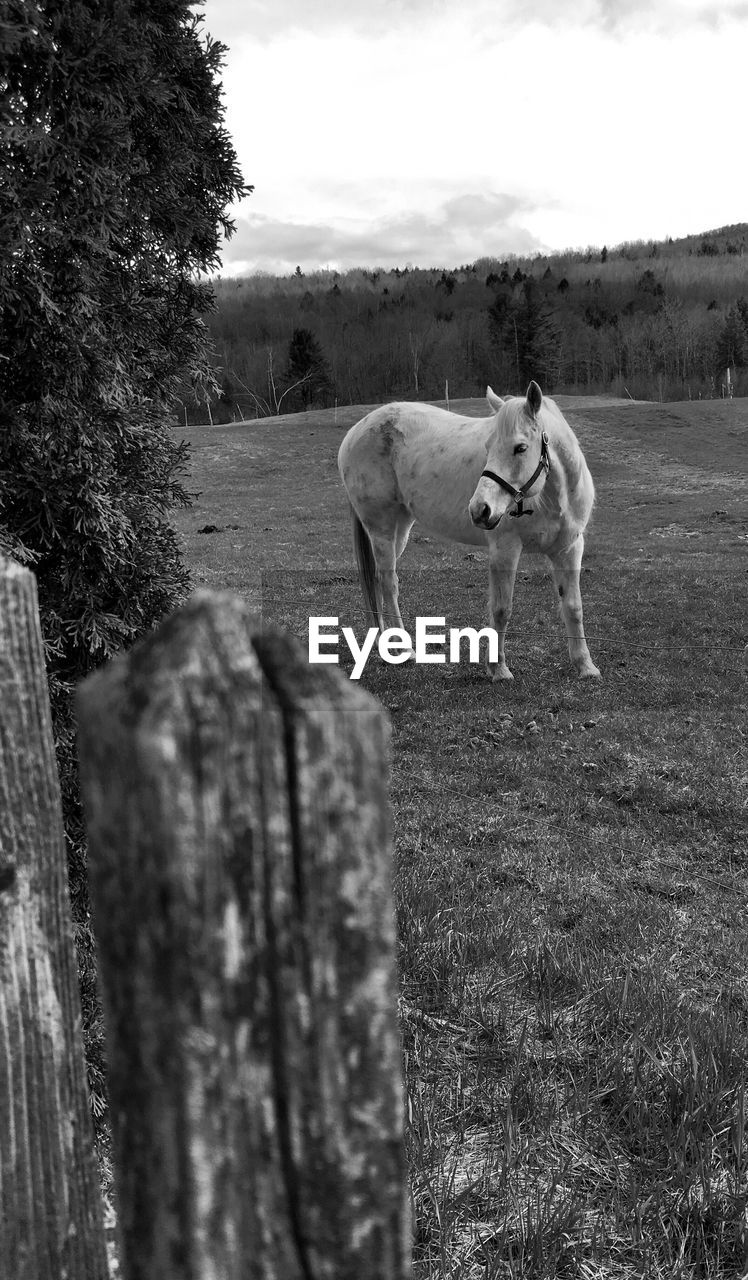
(534, 397)
(494, 402)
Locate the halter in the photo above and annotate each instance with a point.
(519, 495)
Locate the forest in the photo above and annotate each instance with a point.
(657, 320)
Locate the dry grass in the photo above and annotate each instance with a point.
(570, 857)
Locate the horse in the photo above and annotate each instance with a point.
(468, 480)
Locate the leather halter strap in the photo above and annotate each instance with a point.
(519, 495)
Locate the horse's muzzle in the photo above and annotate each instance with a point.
(482, 518)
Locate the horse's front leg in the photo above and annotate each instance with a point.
(566, 567)
(503, 558)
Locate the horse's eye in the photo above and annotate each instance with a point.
(520, 448)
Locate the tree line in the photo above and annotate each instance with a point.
(656, 320)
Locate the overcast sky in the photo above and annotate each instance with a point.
(394, 132)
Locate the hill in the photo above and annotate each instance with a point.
(660, 320)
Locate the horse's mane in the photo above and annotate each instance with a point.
(564, 442)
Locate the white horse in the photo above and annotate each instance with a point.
(468, 479)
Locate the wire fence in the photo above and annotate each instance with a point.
(597, 636)
(737, 637)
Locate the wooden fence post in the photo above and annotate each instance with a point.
(51, 1221)
(240, 865)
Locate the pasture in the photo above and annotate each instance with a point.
(570, 856)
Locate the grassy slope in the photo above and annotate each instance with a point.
(570, 856)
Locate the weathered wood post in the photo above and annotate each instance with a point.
(51, 1222)
(240, 865)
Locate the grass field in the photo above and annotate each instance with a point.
(571, 857)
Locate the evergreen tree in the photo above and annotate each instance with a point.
(115, 175)
(525, 331)
(308, 372)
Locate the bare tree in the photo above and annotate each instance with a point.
(417, 343)
(269, 406)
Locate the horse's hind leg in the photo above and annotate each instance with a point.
(566, 568)
(387, 550)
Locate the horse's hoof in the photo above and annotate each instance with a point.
(501, 673)
(589, 673)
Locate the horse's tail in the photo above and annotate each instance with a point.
(367, 572)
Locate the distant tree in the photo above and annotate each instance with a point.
(650, 292)
(230, 393)
(526, 333)
(597, 314)
(447, 283)
(299, 273)
(499, 317)
(732, 342)
(419, 343)
(307, 370)
(540, 329)
(604, 254)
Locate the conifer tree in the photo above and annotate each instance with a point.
(307, 368)
(526, 334)
(116, 172)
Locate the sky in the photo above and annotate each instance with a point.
(382, 133)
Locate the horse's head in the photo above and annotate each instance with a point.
(517, 459)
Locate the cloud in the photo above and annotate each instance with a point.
(459, 230)
(663, 16)
(402, 148)
(270, 20)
